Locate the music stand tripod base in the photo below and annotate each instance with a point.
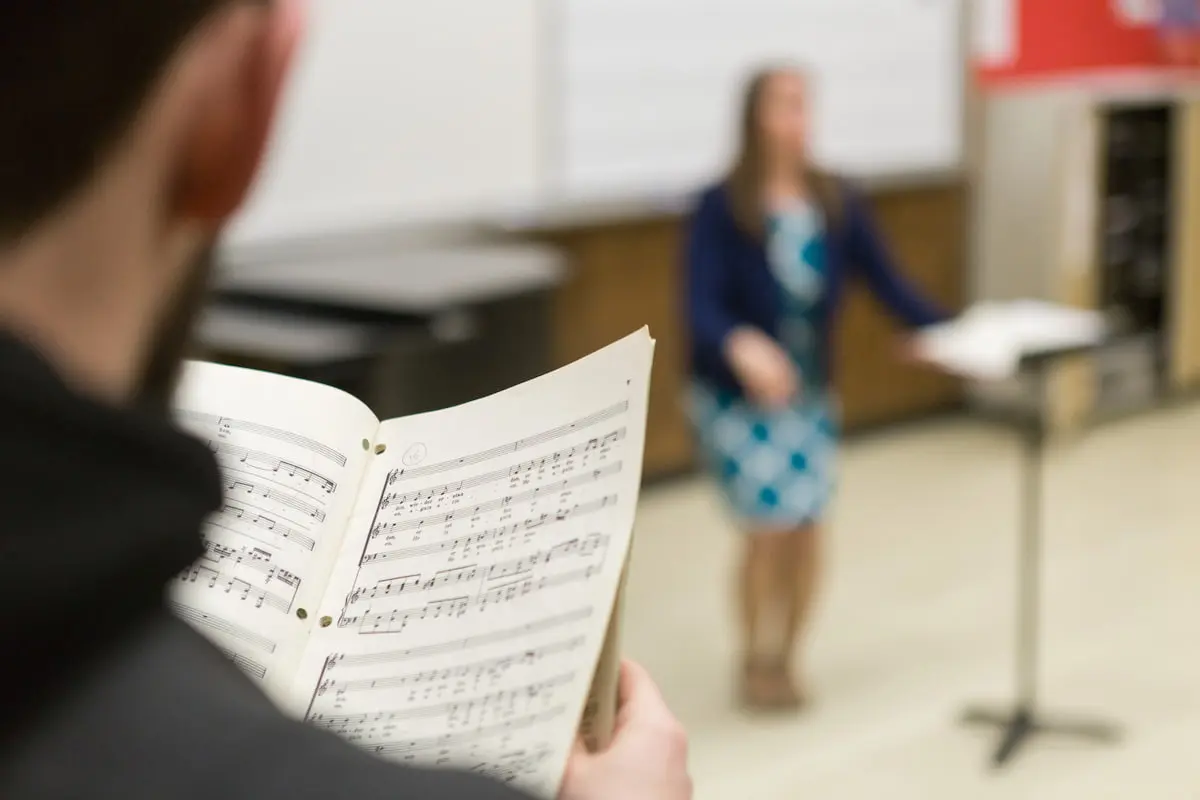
(1020, 723)
(1023, 720)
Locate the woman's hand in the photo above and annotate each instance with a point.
(762, 367)
(910, 351)
(647, 759)
(907, 350)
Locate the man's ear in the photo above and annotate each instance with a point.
(229, 139)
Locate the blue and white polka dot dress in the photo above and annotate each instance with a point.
(776, 468)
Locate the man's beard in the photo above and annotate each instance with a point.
(172, 344)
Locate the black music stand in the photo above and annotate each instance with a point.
(1024, 719)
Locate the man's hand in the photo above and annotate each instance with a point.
(763, 368)
(647, 759)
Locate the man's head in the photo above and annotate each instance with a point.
(135, 129)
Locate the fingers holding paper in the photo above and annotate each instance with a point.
(648, 755)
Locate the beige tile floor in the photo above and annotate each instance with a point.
(917, 620)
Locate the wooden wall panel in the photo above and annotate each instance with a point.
(1070, 396)
(624, 276)
(925, 230)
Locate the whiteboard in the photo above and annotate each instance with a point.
(648, 90)
(402, 111)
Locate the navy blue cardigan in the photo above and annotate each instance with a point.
(730, 282)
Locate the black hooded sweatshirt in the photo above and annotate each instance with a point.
(105, 694)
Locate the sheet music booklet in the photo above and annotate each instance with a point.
(441, 589)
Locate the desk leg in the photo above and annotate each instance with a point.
(1022, 720)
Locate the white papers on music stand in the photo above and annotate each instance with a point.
(988, 342)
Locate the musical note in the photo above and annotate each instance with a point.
(395, 620)
(248, 590)
(494, 504)
(229, 456)
(612, 412)
(451, 741)
(473, 670)
(240, 487)
(267, 524)
(227, 425)
(252, 557)
(533, 689)
(521, 632)
(493, 535)
(508, 473)
(412, 584)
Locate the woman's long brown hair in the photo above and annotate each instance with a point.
(744, 182)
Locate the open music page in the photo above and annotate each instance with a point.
(989, 341)
(469, 603)
(292, 455)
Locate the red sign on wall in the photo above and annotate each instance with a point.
(1061, 38)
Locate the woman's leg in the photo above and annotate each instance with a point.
(798, 574)
(763, 604)
(757, 592)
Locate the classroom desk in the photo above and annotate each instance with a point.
(339, 353)
(464, 321)
(287, 338)
(409, 284)
(625, 272)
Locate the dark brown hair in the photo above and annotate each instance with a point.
(73, 76)
(744, 182)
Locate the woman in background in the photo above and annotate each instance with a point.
(769, 252)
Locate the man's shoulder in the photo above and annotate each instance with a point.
(165, 715)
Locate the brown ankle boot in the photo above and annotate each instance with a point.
(767, 687)
(784, 688)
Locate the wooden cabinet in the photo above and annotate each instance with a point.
(1088, 197)
(624, 275)
(625, 272)
(1132, 251)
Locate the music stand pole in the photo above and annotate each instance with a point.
(1023, 719)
